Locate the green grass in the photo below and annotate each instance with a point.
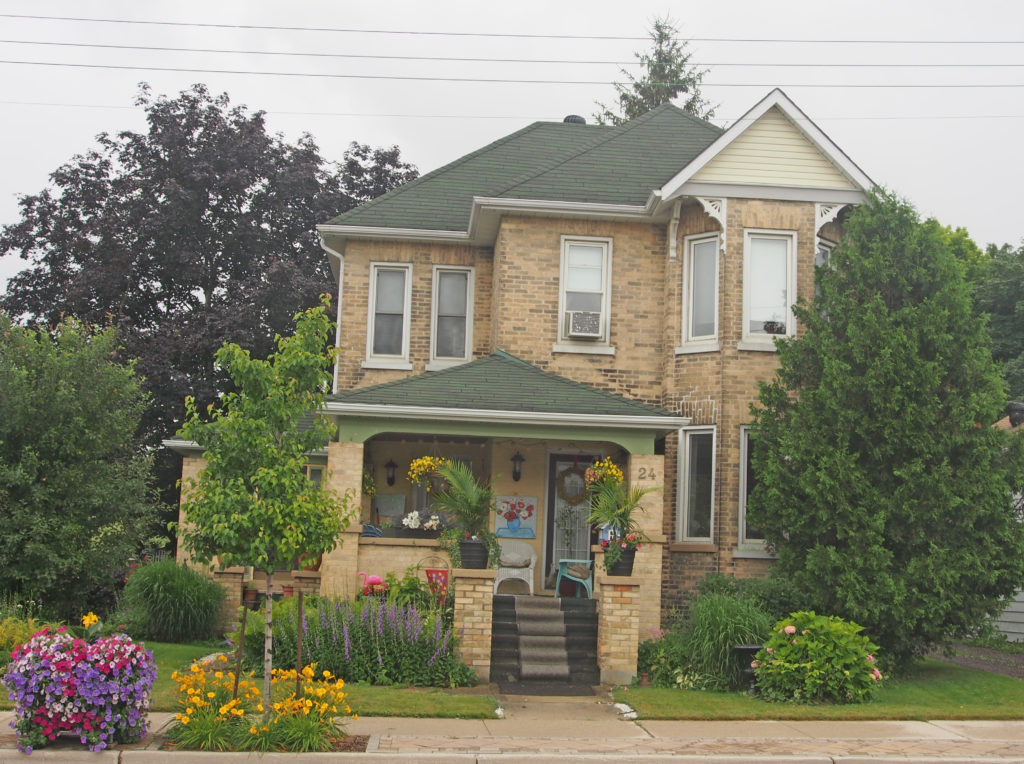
(935, 690)
(171, 657)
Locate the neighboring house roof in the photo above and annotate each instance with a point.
(499, 382)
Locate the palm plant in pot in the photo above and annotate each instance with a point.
(614, 507)
(469, 504)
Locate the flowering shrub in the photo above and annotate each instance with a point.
(99, 691)
(212, 717)
(812, 658)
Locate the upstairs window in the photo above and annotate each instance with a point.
(750, 536)
(451, 316)
(700, 294)
(769, 286)
(387, 344)
(585, 298)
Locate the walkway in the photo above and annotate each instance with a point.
(537, 729)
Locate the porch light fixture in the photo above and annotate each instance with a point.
(390, 467)
(517, 466)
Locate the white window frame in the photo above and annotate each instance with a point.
(703, 343)
(436, 362)
(388, 361)
(682, 497)
(758, 341)
(601, 345)
(746, 547)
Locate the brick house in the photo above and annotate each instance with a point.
(573, 291)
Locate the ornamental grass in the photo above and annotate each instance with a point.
(212, 716)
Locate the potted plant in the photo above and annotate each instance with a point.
(422, 523)
(468, 504)
(613, 507)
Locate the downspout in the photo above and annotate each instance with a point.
(331, 252)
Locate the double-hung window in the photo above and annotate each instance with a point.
(769, 287)
(585, 296)
(451, 340)
(700, 294)
(696, 485)
(750, 536)
(387, 341)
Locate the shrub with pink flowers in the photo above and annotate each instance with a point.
(814, 658)
(97, 690)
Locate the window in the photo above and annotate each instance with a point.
(387, 342)
(697, 481)
(584, 299)
(700, 294)
(451, 317)
(750, 536)
(315, 474)
(822, 259)
(769, 287)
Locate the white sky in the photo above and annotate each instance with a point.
(954, 151)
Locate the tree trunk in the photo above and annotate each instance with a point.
(268, 643)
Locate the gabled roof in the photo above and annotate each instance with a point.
(498, 383)
(552, 161)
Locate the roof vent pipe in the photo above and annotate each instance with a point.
(575, 119)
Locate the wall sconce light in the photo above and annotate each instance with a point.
(517, 466)
(390, 468)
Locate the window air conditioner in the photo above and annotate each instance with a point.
(583, 324)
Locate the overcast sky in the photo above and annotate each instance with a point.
(926, 96)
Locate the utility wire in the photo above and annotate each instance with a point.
(420, 32)
(482, 59)
(490, 80)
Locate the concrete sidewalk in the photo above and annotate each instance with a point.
(540, 729)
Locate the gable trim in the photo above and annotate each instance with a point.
(775, 99)
(780, 193)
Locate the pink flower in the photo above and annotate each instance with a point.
(754, 664)
(791, 629)
(877, 675)
(871, 659)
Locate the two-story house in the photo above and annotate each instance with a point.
(574, 291)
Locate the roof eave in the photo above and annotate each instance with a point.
(634, 422)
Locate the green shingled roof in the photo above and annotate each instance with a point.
(499, 382)
(550, 161)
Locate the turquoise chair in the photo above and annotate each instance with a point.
(580, 571)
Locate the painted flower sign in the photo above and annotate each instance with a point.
(517, 517)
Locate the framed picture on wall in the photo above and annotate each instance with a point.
(517, 517)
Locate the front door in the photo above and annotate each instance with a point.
(568, 532)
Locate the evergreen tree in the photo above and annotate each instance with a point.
(1000, 298)
(880, 479)
(666, 74)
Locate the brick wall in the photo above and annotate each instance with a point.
(619, 605)
(474, 606)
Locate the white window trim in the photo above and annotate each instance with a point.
(600, 346)
(388, 361)
(703, 344)
(766, 342)
(746, 547)
(682, 494)
(436, 363)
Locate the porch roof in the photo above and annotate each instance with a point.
(499, 395)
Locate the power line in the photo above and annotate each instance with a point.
(519, 117)
(488, 59)
(420, 32)
(489, 80)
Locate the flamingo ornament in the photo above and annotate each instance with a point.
(372, 584)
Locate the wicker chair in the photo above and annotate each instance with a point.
(518, 560)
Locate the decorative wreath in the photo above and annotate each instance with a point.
(574, 493)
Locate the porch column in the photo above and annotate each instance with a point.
(648, 471)
(619, 604)
(344, 473)
(474, 606)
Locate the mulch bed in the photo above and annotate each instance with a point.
(985, 659)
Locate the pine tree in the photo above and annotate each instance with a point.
(881, 482)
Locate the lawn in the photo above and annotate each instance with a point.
(936, 690)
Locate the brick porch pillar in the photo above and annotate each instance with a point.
(344, 473)
(618, 625)
(231, 580)
(474, 605)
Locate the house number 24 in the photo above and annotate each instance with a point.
(646, 473)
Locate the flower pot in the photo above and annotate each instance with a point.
(251, 598)
(474, 553)
(287, 591)
(624, 565)
(417, 533)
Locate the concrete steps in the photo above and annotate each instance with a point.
(544, 638)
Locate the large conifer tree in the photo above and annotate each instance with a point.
(880, 480)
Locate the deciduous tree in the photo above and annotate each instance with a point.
(75, 501)
(1001, 297)
(880, 479)
(252, 503)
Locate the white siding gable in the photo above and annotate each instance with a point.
(773, 152)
